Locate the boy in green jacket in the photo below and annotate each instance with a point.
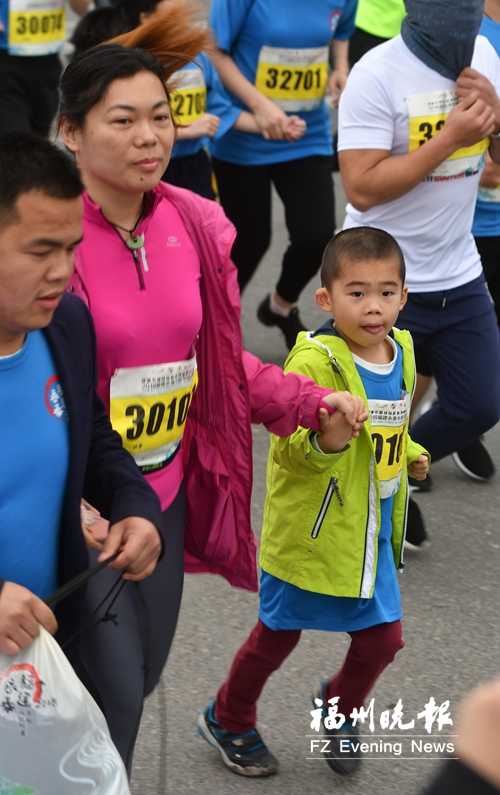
(335, 513)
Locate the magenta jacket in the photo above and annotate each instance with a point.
(235, 389)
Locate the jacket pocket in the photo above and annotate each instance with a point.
(333, 488)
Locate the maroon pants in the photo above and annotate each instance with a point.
(370, 652)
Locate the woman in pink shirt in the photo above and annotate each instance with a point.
(155, 271)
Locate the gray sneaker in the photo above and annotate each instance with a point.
(245, 754)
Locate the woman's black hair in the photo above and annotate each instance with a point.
(88, 77)
(167, 41)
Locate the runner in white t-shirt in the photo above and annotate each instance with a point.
(401, 176)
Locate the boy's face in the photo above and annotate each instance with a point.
(365, 301)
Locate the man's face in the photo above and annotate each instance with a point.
(36, 262)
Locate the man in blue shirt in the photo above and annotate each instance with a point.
(57, 442)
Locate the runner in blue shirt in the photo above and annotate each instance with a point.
(273, 59)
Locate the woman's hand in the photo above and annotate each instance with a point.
(271, 120)
(296, 128)
(336, 84)
(208, 124)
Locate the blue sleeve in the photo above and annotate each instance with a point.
(4, 19)
(346, 25)
(227, 18)
(218, 100)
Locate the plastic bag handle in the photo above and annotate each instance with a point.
(68, 588)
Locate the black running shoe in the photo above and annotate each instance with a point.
(245, 754)
(474, 460)
(420, 485)
(344, 750)
(416, 534)
(290, 325)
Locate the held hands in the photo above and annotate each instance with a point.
(21, 613)
(344, 424)
(272, 121)
(471, 82)
(140, 546)
(418, 469)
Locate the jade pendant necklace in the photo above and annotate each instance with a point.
(133, 241)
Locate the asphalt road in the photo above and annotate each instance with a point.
(450, 598)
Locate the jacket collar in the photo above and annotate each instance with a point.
(94, 214)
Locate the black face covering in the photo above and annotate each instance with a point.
(442, 32)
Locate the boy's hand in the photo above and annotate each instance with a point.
(419, 469)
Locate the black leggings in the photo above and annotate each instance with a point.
(305, 187)
(120, 663)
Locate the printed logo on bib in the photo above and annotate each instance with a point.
(36, 27)
(54, 398)
(149, 408)
(21, 697)
(389, 423)
(189, 98)
(295, 80)
(427, 115)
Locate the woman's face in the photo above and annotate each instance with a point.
(128, 136)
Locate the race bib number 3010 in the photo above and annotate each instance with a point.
(149, 408)
(427, 115)
(294, 79)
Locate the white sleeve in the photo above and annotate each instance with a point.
(486, 61)
(366, 116)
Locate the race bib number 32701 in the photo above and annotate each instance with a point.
(427, 115)
(295, 79)
(149, 407)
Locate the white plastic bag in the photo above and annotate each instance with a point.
(53, 737)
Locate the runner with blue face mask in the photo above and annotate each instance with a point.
(414, 128)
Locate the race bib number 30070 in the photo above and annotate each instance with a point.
(149, 408)
(427, 115)
(36, 27)
(295, 79)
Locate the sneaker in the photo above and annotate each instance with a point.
(245, 754)
(416, 534)
(343, 759)
(290, 325)
(420, 485)
(474, 460)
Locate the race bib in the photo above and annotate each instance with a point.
(295, 80)
(427, 115)
(489, 194)
(149, 408)
(36, 27)
(189, 99)
(389, 423)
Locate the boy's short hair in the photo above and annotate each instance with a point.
(355, 245)
(30, 163)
